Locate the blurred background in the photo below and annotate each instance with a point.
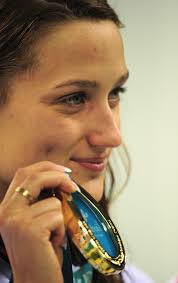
(147, 211)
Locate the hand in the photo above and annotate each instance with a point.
(34, 233)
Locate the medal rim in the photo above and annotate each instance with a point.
(90, 247)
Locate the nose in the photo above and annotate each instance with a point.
(104, 128)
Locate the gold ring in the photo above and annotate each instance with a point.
(25, 193)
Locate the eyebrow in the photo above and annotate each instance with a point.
(90, 84)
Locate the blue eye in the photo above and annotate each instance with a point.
(74, 99)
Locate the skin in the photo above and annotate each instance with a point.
(39, 130)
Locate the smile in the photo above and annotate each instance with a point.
(95, 164)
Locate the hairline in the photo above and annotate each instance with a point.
(34, 58)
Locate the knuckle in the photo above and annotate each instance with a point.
(48, 163)
(21, 173)
(33, 177)
(58, 216)
(60, 219)
(57, 203)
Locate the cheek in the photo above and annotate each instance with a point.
(61, 138)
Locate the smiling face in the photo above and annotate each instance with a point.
(67, 110)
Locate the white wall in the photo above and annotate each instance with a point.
(147, 212)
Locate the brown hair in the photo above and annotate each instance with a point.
(23, 23)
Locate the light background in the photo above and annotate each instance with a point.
(147, 212)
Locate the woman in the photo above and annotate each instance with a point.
(62, 69)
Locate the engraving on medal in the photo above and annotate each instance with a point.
(93, 234)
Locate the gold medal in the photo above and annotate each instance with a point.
(93, 232)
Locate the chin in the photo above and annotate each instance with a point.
(93, 185)
(96, 195)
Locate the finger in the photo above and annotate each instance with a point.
(35, 183)
(48, 205)
(59, 254)
(23, 173)
(52, 227)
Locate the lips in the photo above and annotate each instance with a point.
(94, 164)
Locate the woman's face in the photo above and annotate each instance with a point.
(67, 109)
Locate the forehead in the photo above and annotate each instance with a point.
(83, 31)
(81, 38)
(80, 47)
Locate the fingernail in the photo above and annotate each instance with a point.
(64, 169)
(68, 171)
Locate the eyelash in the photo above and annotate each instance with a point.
(70, 98)
(84, 96)
(117, 91)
